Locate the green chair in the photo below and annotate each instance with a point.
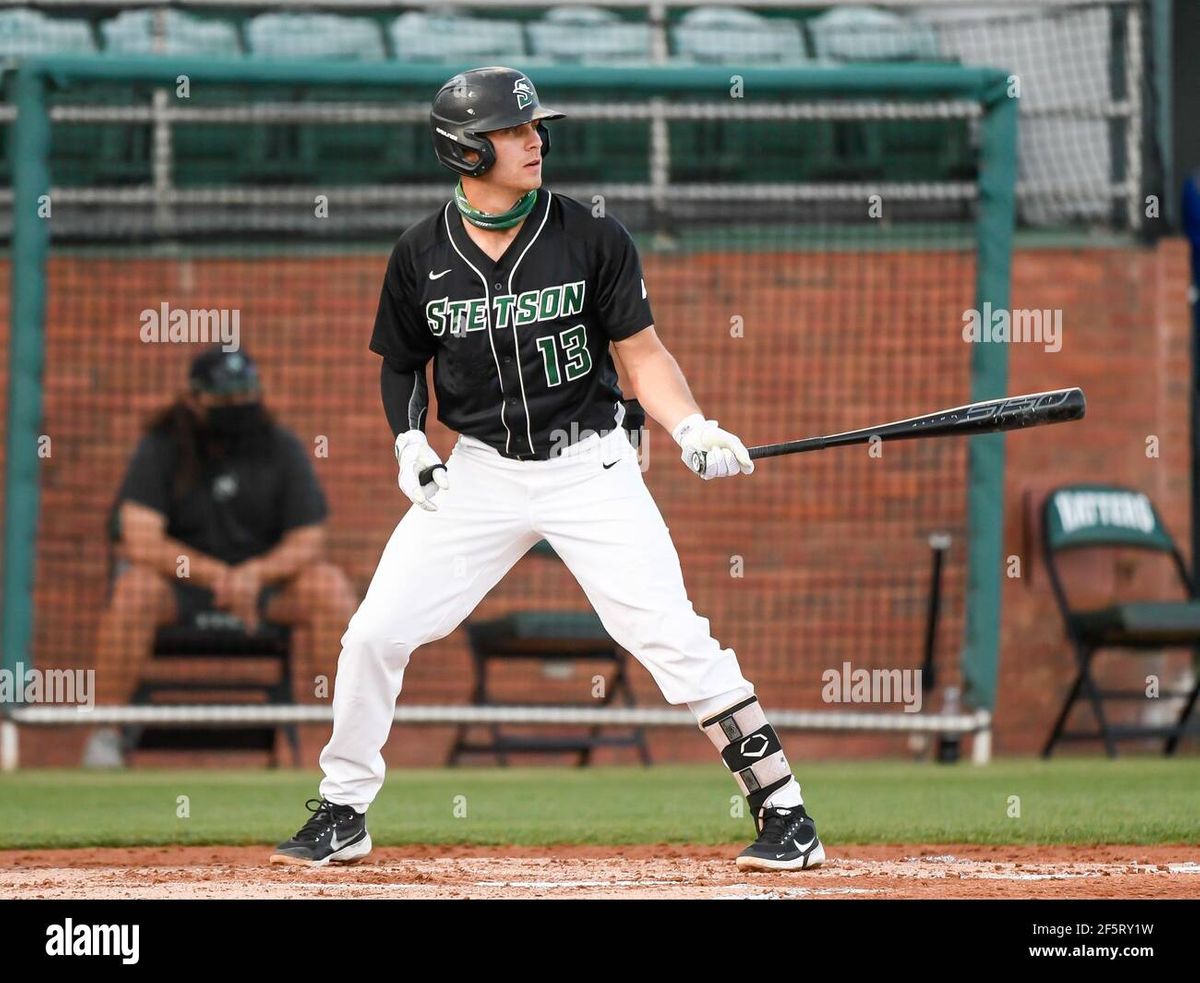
(1109, 517)
(909, 150)
(323, 36)
(133, 32)
(28, 32)
(729, 35)
(418, 36)
(123, 153)
(863, 34)
(588, 34)
(311, 152)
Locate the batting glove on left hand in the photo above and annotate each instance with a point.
(710, 451)
(414, 454)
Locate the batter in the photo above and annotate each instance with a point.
(519, 297)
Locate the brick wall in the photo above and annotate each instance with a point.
(832, 546)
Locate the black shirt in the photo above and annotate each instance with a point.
(520, 346)
(239, 507)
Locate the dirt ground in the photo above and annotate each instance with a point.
(643, 871)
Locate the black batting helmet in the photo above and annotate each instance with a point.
(474, 102)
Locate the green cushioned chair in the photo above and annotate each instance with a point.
(321, 36)
(123, 154)
(310, 152)
(28, 32)
(730, 35)
(909, 150)
(588, 34)
(863, 34)
(418, 36)
(1094, 516)
(133, 32)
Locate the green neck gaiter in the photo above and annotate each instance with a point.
(498, 220)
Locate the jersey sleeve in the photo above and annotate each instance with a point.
(148, 478)
(621, 300)
(401, 335)
(303, 502)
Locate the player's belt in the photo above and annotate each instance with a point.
(630, 418)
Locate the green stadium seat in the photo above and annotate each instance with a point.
(729, 35)
(440, 37)
(132, 32)
(286, 35)
(588, 34)
(728, 150)
(898, 151)
(312, 152)
(863, 34)
(125, 151)
(29, 32)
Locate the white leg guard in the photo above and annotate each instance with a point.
(751, 750)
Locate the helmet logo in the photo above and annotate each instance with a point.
(523, 90)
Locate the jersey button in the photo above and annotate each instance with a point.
(507, 358)
(498, 286)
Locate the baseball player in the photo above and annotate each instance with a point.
(520, 297)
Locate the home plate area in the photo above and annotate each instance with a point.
(641, 871)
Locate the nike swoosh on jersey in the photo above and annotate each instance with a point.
(438, 276)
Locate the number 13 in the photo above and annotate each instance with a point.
(574, 345)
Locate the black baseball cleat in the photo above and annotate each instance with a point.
(334, 834)
(787, 840)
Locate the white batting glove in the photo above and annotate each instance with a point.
(414, 454)
(710, 451)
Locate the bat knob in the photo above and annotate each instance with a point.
(426, 474)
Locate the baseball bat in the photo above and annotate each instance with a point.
(987, 416)
(426, 474)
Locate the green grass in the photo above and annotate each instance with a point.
(1084, 800)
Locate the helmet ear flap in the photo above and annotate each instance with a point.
(487, 155)
(453, 154)
(545, 135)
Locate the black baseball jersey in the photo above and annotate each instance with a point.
(520, 346)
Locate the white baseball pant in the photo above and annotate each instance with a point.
(437, 566)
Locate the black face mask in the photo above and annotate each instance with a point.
(236, 421)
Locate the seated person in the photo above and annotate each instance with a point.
(220, 511)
